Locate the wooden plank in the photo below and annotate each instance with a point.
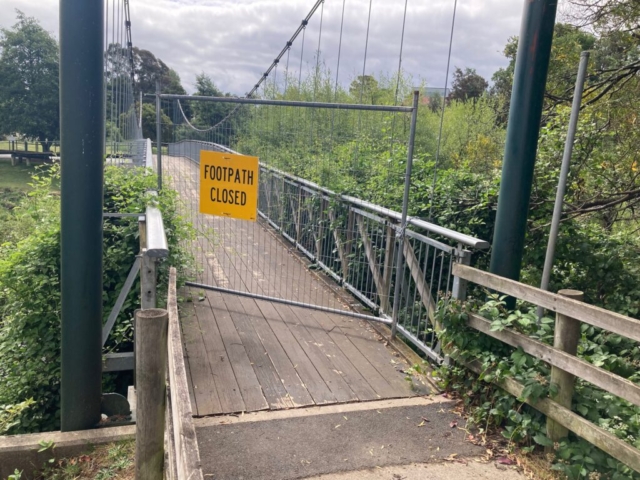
(596, 316)
(272, 387)
(310, 377)
(223, 376)
(341, 363)
(378, 355)
(296, 389)
(419, 278)
(318, 355)
(606, 380)
(185, 441)
(582, 427)
(389, 262)
(368, 249)
(204, 388)
(344, 262)
(379, 384)
(192, 395)
(245, 376)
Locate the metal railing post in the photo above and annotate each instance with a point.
(459, 289)
(159, 133)
(403, 221)
(564, 173)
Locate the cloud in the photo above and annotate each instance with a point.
(234, 41)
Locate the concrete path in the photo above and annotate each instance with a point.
(471, 470)
(390, 440)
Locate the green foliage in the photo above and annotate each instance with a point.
(491, 407)
(467, 85)
(30, 287)
(149, 125)
(208, 113)
(29, 87)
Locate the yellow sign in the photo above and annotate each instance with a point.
(229, 185)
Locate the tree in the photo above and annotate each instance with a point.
(29, 66)
(208, 114)
(149, 126)
(365, 89)
(467, 85)
(148, 68)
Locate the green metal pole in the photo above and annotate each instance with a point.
(532, 64)
(82, 122)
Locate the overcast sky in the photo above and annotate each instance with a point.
(234, 41)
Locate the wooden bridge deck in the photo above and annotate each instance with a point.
(247, 355)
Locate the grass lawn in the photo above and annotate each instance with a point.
(16, 178)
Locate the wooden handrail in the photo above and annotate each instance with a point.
(565, 364)
(596, 316)
(184, 444)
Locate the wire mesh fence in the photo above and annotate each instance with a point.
(322, 238)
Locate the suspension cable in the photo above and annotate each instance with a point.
(190, 124)
(393, 123)
(286, 71)
(444, 103)
(286, 49)
(315, 83)
(335, 93)
(366, 47)
(300, 69)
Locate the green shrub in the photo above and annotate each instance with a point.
(30, 287)
(491, 407)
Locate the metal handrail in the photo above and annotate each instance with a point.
(457, 237)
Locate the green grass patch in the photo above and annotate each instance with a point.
(15, 178)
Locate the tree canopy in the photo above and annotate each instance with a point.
(29, 66)
(467, 85)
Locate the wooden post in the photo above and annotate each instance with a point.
(151, 361)
(567, 336)
(148, 276)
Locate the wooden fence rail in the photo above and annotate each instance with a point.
(565, 365)
(180, 436)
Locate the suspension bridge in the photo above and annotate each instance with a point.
(292, 346)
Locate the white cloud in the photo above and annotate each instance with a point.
(234, 41)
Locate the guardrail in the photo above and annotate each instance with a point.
(30, 146)
(183, 459)
(354, 242)
(153, 247)
(565, 365)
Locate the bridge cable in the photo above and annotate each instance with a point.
(335, 89)
(444, 103)
(393, 124)
(286, 49)
(300, 70)
(362, 82)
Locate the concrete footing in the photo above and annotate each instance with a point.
(21, 451)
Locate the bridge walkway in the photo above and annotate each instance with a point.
(247, 355)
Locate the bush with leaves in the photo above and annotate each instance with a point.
(491, 407)
(30, 287)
